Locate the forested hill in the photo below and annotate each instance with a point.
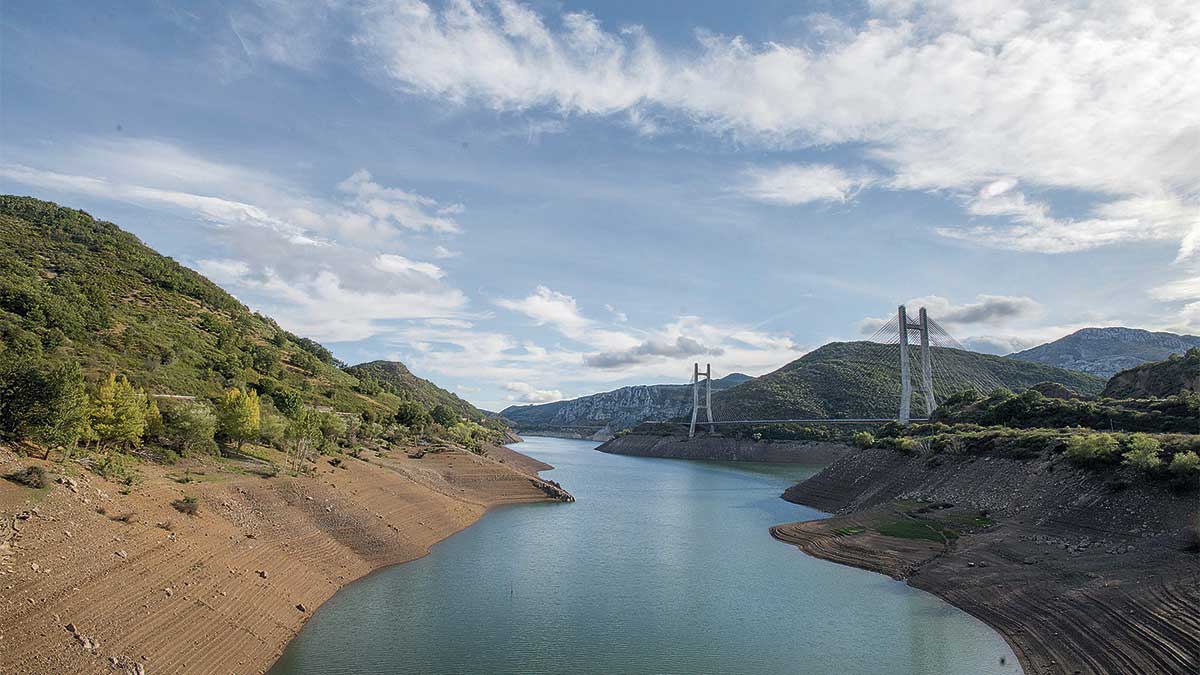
(395, 377)
(73, 288)
(845, 379)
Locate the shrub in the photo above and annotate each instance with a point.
(443, 415)
(1185, 464)
(863, 439)
(239, 415)
(1143, 452)
(413, 415)
(30, 476)
(1091, 448)
(190, 427)
(188, 505)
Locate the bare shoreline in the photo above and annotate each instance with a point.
(143, 588)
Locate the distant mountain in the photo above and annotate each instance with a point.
(619, 409)
(395, 378)
(1163, 378)
(857, 379)
(1106, 351)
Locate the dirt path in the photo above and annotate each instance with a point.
(95, 581)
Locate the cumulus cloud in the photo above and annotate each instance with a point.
(1091, 97)
(793, 184)
(526, 393)
(407, 209)
(681, 346)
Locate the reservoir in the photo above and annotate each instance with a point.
(660, 567)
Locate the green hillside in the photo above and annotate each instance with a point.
(859, 379)
(395, 378)
(75, 289)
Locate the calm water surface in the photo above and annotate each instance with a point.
(661, 566)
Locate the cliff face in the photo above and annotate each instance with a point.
(1164, 378)
(1106, 351)
(619, 409)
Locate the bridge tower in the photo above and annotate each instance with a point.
(921, 325)
(697, 378)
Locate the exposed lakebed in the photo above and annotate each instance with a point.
(661, 566)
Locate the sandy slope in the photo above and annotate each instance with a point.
(224, 591)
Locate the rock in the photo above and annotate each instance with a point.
(1029, 561)
(301, 607)
(121, 554)
(71, 628)
(262, 573)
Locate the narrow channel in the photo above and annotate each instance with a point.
(661, 566)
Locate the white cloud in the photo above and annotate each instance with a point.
(398, 264)
(617, 315)
(406, 209)
(549, 307)
(793, 184)
(526, 393)
(442, 252)
(1097, 98)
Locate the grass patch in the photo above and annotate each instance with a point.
(916, 529)
(849, 530)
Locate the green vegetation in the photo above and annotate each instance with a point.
(1092, 448)
(1144, 452)
(849, 530)
(188, 505)
(1177, 374)
(905, 528)
(1030, 409)
(103, 340)
(1185, 464)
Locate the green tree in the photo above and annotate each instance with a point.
(272, 429)
(238, 416)
(864, 439)
(332, 429)
(1143, 452)
(47, 404)
(117, 413)
(303, 434)
(287, 401)
(443, 415)
(413, 415)
(190, 426)
(154, 420)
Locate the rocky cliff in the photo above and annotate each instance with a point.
(615, 410)
(1106, 351)
(1156, 380)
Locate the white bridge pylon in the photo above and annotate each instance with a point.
(696, 405)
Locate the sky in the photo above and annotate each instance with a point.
(528, 201)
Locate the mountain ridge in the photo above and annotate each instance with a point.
(1105, 351)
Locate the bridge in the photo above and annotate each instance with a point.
(919, 357)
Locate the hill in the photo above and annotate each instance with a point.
(1171, 376)
(394, 377)
(619, 409)
(76, 288)
(855, 379)
(1106, 351)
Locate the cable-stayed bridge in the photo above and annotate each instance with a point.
(915, 361)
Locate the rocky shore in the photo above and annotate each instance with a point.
(676, 446)
(95, 577)
(1080, 572)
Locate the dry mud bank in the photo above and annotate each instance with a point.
(1080, 574)
(726, 449)
(95, 581)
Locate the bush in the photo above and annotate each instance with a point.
(1185, 464)
(413, 415)
(1143, 452)
(864, 439)
(188, 505)
(1091, 448)
(190, 427)
(30, 476)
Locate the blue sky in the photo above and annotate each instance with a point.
(527, 201)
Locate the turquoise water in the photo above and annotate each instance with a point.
(661, 566)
